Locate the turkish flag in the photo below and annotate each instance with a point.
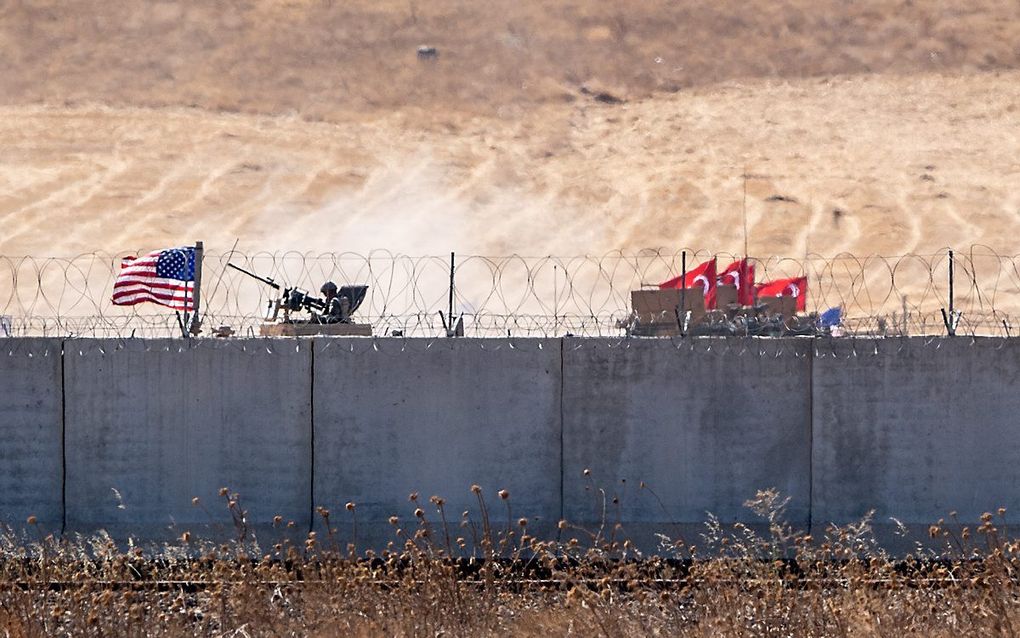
(703, 276)
(740, 274)
(792, 287)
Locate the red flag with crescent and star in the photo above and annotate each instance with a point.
(740, 274)
(702, 276)
(793, 287)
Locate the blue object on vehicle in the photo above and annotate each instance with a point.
(831, 318)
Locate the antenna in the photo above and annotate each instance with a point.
(745, 211)
(807, 233)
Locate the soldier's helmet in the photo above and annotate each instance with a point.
(328, 287)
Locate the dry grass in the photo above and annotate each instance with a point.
(481, 578)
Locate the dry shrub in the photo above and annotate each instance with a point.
(483, 578)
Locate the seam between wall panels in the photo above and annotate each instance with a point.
(311, 441)
(63, 440)
(562, 426)
(811, 436)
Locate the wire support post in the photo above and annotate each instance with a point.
(454, 328)
(681, 310)
(952, 318)
(195, 327)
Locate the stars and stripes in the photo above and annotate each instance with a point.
(165, 277)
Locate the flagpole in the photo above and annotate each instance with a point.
(180, 323)
(196, 324)
(183, 319)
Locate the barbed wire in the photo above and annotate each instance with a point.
(509, 295)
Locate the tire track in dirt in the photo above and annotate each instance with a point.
(26, 194)
(79, 184)
(622, 177)
(88, 189)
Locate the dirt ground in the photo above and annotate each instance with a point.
(573, 128)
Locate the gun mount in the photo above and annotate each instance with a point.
(320, 321)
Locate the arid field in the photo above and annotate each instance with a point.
(869, 127)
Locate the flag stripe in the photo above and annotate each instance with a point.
(138, 261)
(167, 292)
(145, 293)
(178, 294)
(154, 282)
(135, 267)
(144, 297)
(123, 299)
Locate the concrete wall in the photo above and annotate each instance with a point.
(915, 430)
(31, 458)
(434, 417)
(704, 423)
(163, 421)
(912, 428)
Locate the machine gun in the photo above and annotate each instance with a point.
(298, 299)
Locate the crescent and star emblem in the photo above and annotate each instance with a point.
(704, 281)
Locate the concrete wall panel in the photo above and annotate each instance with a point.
(705, 423)
(162, 421)
(31, 464)
(911, 428)
(434, 417)
(915, 428)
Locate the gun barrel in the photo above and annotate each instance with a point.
(266, 280)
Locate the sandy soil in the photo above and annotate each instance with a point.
(573, 128)
(313, 126)
(887, 164)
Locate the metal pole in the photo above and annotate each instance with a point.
(556, 322)
(196, 323)
(180, 323)
(951, 277)
(950, 319)
(682, 311)
(453, 265)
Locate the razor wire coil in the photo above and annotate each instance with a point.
(514, 295)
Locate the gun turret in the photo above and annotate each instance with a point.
(298, 299)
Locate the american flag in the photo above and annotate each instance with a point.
(166, 277)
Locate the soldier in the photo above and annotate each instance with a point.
(334, 311)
